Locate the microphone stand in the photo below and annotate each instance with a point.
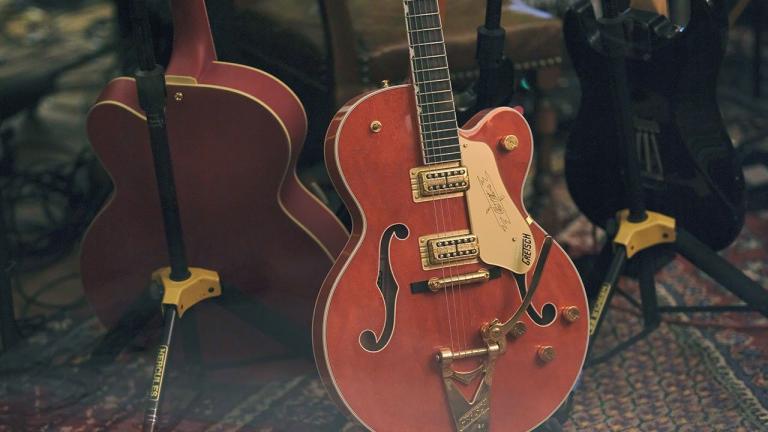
(490, 57)
(182, 286)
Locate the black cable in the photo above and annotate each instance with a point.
(63, 198)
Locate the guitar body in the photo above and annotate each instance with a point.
(688, 163)
(395, 384)
(235, 134)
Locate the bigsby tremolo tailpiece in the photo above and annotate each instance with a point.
(474, 415)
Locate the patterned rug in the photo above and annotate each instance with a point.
(705, 373)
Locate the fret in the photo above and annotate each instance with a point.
(438, 148)
(435, 136)
(446, 149)
(426, 29)
(428, 43)
(415, 24)
(433, 69)
(423, 14)
(434, 85)
(440, 134)
(436, 74)
(440, 112)
(425, 108)
(435, 98)
(422, 6)
(421, 93)
(444, 154)
(438, 121)
(431, 62)
(441, 80)
(430, 118)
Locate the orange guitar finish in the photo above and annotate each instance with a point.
(235, 135)
(400, 387)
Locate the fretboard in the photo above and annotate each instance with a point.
(432, 81)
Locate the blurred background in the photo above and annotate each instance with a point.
(708, 373)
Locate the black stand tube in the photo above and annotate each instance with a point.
(8, 329)
(158, 376)
(150, 83)
(490, 54)
(614, 41)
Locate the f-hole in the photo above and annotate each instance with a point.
(548, 311)
(388, 287)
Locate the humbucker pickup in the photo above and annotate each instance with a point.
(448, 249)
(443, 181)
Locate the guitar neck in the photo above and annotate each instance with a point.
(193, 47)
(438, 130)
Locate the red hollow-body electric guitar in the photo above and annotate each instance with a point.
(450, 308)
(235, 134)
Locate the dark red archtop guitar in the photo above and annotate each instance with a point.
(235, 134)
(450, 308)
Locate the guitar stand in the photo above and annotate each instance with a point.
(181, 286)
(643, 235)
(9, 331)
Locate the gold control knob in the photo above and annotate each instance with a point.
(179, 96)
(518, 329)
(571, 313)
(546, 353)
(509, 142)
(384, 84)
(376, 126)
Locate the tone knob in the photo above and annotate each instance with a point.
(546, 353)
(509, 142)
(571, 313)
(518, 329)
(376, 126)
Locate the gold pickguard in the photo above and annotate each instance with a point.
(504, 236)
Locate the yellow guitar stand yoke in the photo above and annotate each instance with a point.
(201, 284)
(630, 239)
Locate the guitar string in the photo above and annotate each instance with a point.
(430, 49)
(450, 203)
(422, 139)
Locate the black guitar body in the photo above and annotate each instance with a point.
(689, 167)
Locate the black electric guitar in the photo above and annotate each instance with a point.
(688, 164)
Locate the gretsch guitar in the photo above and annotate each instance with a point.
(235, 135)
(450, 308)
(688, 164)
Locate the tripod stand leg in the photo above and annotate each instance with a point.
(597, 314)
(650, 302)
(158, 375)
(127, 328)
(722, 271)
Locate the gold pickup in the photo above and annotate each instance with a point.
(439, 181)
(458, 247)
